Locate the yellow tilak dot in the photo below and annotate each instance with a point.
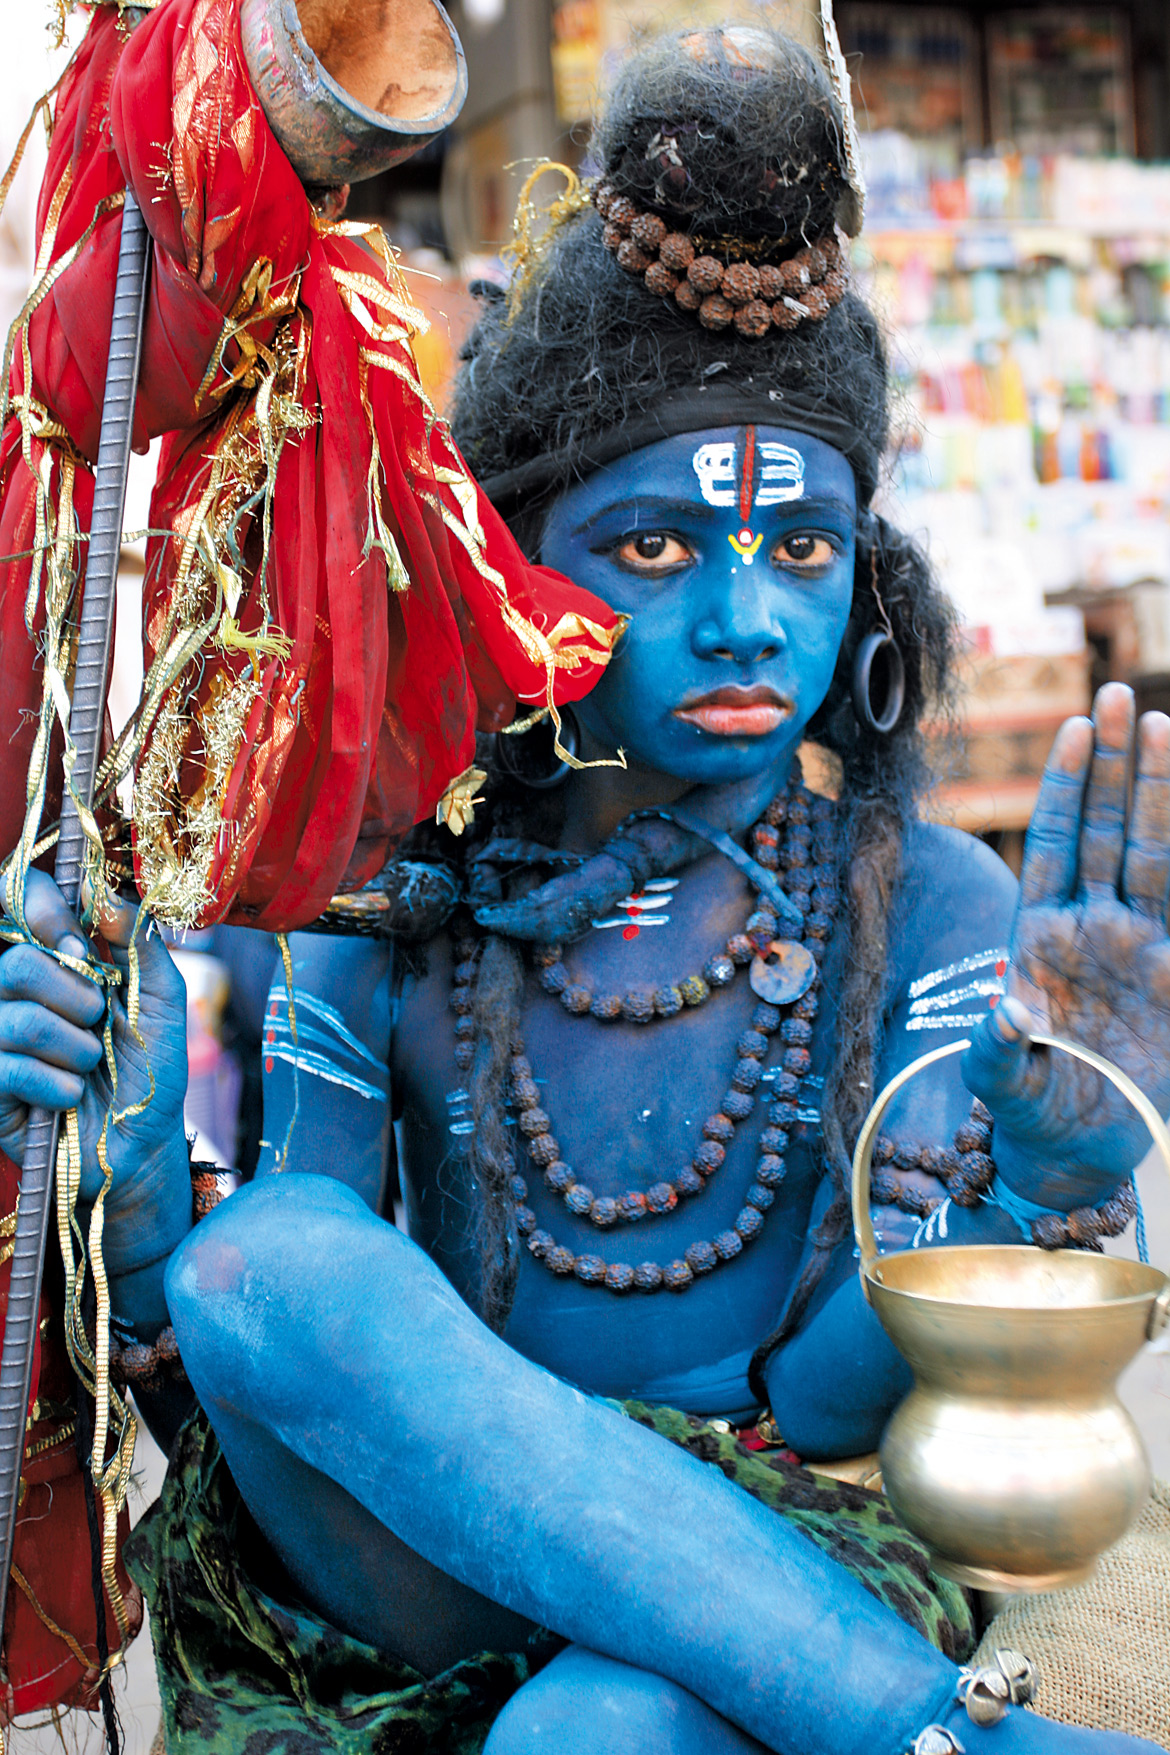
(747, 550)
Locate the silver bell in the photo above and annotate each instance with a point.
(353, 87)
(936, 1740)
(1019, 1674)
(986, 1694)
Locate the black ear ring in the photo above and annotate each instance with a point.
(531, 759)
(879, 683)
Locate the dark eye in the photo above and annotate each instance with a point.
(803, 551)
(652, 551)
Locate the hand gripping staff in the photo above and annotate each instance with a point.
(85, 723)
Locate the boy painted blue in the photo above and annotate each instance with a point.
(428, 1499)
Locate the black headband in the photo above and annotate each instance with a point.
(686, 411)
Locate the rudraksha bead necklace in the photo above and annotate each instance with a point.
(781, 295)
(807, 854)
(809, 827)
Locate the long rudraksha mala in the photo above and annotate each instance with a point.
(966, 1171)
(755, 297)
(809, 833)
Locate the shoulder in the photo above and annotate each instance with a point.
(942, 862)
(956, 901)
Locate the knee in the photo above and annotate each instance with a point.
(293, 1285)
(585, 1704)
(257, 1270)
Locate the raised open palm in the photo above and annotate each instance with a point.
(1090, 956)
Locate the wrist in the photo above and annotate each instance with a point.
(1049, 1177)
(146, 1220)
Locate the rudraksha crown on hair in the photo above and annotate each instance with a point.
(733, 141)
(712, 208)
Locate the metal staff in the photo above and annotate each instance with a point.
(85, 724)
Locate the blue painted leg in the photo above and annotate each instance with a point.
(585, 1704)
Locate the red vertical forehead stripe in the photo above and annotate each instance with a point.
(748, 476)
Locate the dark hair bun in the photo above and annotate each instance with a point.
(590, 351)
(729, 132)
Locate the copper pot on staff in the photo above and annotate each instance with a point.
(1012, 1457)
(353, 87)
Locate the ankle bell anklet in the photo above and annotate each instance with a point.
(985, 1691)
(936, 1740)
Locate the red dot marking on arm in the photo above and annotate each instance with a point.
(630, 931)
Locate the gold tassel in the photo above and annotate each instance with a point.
(530, 245)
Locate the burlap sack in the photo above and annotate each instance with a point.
(1102, 1650)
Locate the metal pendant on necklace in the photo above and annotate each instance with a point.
(783, 972)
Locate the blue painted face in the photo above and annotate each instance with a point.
(732, 552)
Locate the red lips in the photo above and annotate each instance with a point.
(734, 711)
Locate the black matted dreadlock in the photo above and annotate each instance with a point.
(586, 364)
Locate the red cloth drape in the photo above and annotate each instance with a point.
(354, 723)
(50, 1621)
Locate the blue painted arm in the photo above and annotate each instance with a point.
(327, 1093)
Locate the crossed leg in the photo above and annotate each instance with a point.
(383, 1439)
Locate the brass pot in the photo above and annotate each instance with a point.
(1012, 1457)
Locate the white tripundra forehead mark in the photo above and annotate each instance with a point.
(715, 467)
(933, 1002)
(781, 474)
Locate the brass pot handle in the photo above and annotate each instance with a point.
(863, 1156)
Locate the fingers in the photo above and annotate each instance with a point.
(1107, 794)
(33, 1082)
(49, 918)
(997, 1063)
(114, 918)
(157, 972)
(28, 1029)
(1050, 850)
(1146, 871)
(29, 974)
